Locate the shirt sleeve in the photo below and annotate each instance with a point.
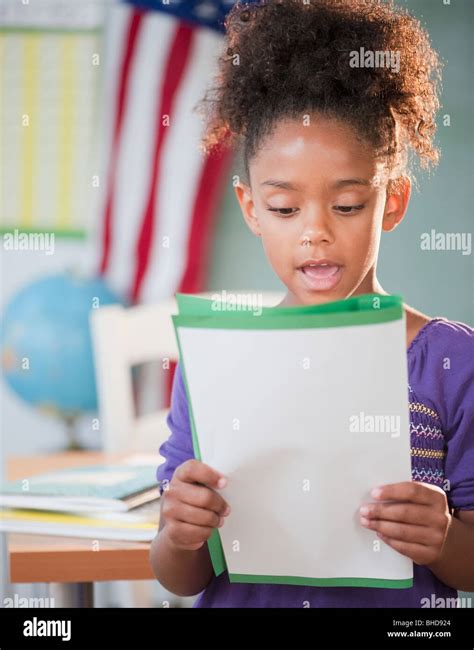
(448, 382)
(178, 447)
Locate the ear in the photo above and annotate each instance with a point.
(398, 196)
(244, 197)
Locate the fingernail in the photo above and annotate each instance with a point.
(222, 482)
(221, 521)
(364, 522)
(376, 492)
(226, 511)
(364, 510)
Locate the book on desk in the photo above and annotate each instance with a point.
(117, 501)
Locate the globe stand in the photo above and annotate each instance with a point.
(70, 423)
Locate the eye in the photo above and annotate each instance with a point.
(348, 209)
(284, 212)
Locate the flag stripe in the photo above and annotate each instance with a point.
(132, 37)
(175, 67)
(205, 210)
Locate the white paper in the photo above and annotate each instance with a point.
(273, 410)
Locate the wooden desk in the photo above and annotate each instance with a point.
(70, 564)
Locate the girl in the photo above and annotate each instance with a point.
(328, 100)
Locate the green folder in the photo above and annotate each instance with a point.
(191, 305)
(198, 312)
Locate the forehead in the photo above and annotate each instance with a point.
(327, 146)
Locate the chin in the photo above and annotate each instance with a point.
(307, 298)
(321, 297)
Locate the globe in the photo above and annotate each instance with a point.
(46, 347)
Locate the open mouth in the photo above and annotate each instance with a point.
(321, 276)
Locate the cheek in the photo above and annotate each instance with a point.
(277, 235)
(361, 229)
(360, 240)
(274, 247)
(278, 245)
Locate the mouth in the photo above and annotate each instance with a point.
(320, 276)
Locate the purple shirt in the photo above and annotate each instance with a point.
(441, 401)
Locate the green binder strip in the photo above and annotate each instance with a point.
(294, 321)
(323, 582)
(308, 321)
(360, 310)
(191, 305)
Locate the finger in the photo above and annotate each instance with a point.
(416, 552)
(188, 534)
(194, 471)
(200, 496)
(414, 491)
(197, 516)
(404, 512)
(403, 532)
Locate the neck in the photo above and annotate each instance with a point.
(369, 284)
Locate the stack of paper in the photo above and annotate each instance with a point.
(107, 501)
(305, 410)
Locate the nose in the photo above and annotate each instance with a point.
(317, 228)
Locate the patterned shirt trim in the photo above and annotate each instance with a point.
(418, 407)
(426, 431)
(427, 462)
(427, 453)
(428, 475)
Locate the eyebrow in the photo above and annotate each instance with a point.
(285, 185)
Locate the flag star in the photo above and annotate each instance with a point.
(205, 10)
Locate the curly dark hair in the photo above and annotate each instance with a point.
(285, 58)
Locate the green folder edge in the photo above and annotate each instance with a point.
(191, 305)
(358, 310)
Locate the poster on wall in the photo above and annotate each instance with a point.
(50, 62)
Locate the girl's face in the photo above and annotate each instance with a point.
(318, 197)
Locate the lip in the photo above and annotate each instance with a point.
(323, 283)
(323, 260)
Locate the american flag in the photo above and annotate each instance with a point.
(161, 194)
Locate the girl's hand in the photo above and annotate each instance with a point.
(192, 511)
(415, 525)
